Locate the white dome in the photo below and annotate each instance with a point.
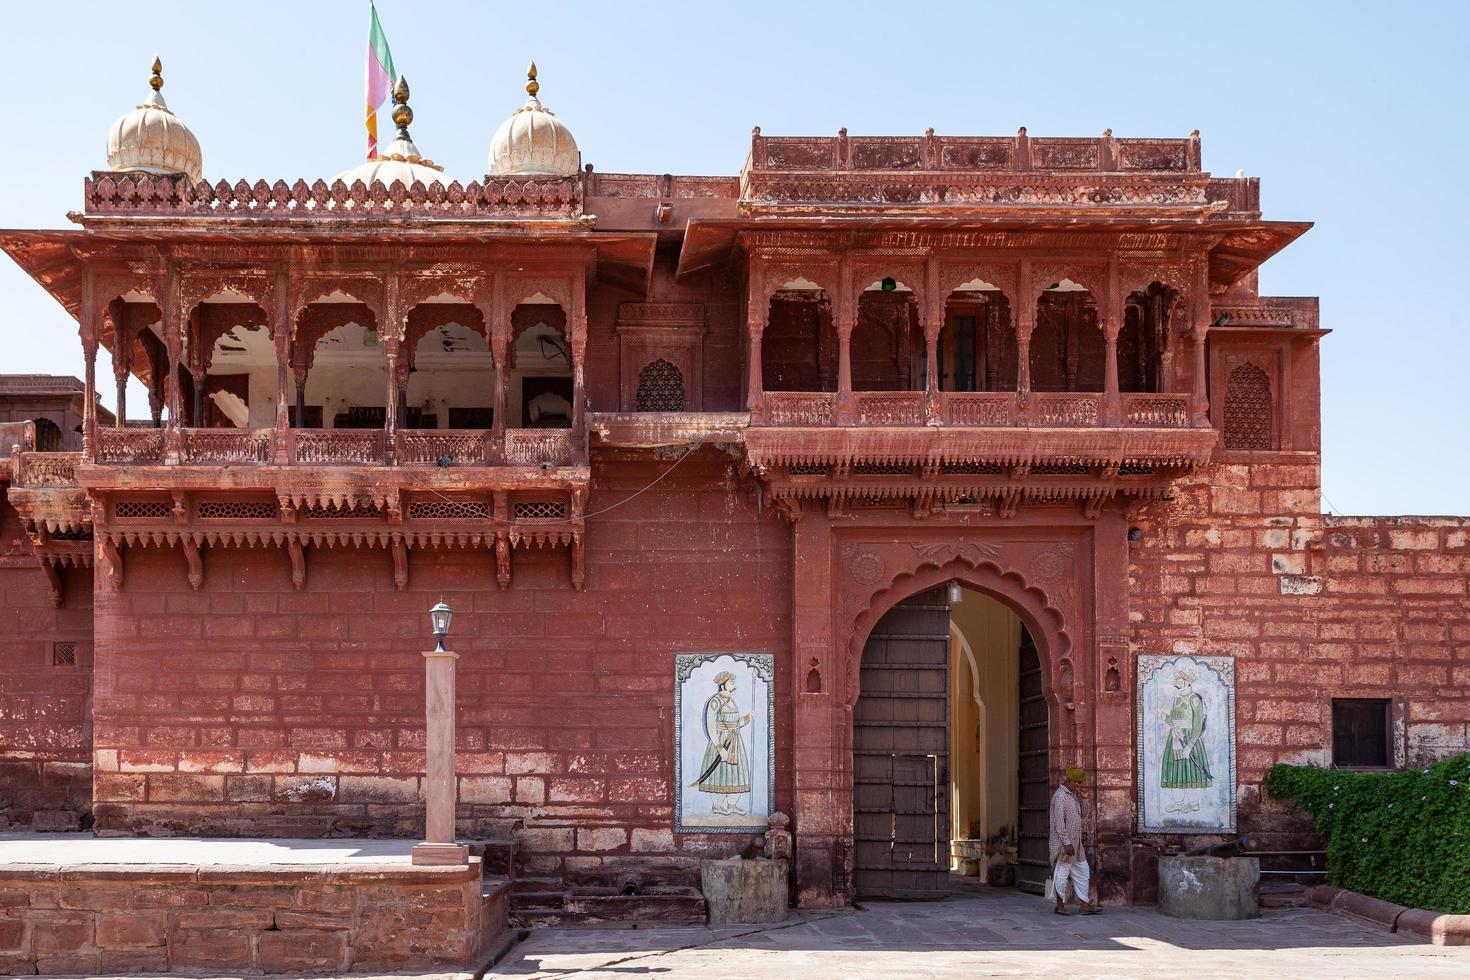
(152, 140)
(533, 142)
(400, 160)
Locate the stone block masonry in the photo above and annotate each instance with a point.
(295, 919)
(1314, 607)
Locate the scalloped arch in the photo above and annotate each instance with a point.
(1046, 623)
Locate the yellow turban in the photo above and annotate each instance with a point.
(1076, 774)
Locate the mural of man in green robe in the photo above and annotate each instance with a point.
(1184, 765)
(725, 771)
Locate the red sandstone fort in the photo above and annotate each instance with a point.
(954, 429)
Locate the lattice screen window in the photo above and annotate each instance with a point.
(1248, 409)
(807, 469)
(352, 511)
(972, 469)
(883, 469)
(239, 510)
(143, 509)
(1060, 469)
(64, 654)
(438, 510)
(1135, 469)
(541, 510)
(660, 388)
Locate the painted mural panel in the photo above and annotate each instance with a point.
(724, 741)
(1186, 744)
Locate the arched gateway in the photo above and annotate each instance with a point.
(1062, 577)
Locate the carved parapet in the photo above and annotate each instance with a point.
(129, 446)
(535, 447)
(127, 194)
(446, 447)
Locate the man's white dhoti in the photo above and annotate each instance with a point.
(1079, 874)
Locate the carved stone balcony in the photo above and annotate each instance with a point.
(983, 449)
(339, 447)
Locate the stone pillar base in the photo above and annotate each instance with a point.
(425, 853)
(736, 890)
(1207, 887)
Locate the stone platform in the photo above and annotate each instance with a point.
(76, 904)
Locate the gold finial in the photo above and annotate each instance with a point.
(402, 114)
(157, 80)
(532, 86)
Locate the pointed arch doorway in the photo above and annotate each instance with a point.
(950, 742)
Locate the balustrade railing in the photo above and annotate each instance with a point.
(128, 446)
(997, 409)
(229, 445)
(1156, 411)
(447, 447)
(890, 407)
(800, 407)
(48, 469)
(978, 407)
(532, 447)
(1065, 409)
(363, 447)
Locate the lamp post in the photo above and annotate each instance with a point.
(439, 845)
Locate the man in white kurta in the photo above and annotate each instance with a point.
(1068, 858)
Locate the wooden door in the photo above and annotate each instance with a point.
(901, 754)
(1034, 795)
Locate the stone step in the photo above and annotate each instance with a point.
(1283, 895)
(538, 883)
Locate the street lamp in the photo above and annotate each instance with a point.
(440, 617)
(440, 777)
(956, 592)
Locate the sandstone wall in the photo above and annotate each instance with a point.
(1313, 607)
(249, 708)
(45, 709)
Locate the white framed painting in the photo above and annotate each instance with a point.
(1186, 744)
(724, 741)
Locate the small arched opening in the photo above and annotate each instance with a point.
(339, 367)
(887, 348)
(449, 375)
(799, 344)
(1068, 351)
(540, 393)
(977, 344)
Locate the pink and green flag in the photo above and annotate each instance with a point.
(380, 77)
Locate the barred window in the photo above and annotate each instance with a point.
(64, 654)
(238, 510)
(1248, 409)
(140, 509)
(1360, 733)
(660, 388)
(541, 510)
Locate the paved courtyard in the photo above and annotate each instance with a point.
(988, 934)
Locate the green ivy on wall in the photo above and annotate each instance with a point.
(1400, 836)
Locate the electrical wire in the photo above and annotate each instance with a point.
(596, 513)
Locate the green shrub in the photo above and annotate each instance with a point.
(1400, 836)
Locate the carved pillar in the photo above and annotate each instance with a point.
(933, 325)
(280, 319)
(173, 340)
(198, 367)
(577, 328)
(122, 357)
(1024, 317)
(497, 324)
(845, 313)
(390, 331)
(1112, 313)
(1201, 326)
(91, 324)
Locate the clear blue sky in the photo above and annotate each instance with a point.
(1353, 115)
